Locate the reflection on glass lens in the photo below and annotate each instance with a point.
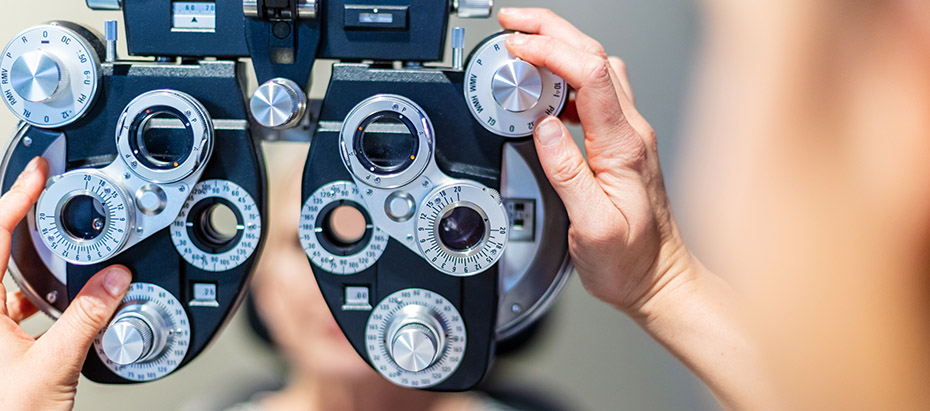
(83, 217)
(387, 143)
(461, 229)
(162, 140)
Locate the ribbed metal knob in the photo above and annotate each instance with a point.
(128, 340)
(36, 76)
(470, 9)
(414, 347)
(103, 4)
(517, 86)
(279, 104)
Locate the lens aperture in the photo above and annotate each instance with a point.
(386, 142)
(462, 229)
(161, 138)
(83, 217)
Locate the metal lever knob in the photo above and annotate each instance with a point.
(473, 9)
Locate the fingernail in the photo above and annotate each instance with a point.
(117, 281)
(517, 39)
(508, 10)
(549, 132)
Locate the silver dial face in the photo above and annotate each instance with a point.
(83, 217)
(387, 141)
(350, 250)
(177, 334)
(382, 330)
(50, 76)
(462, 229)
(507, 95)
(208, 240)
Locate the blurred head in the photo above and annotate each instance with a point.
(286, 295)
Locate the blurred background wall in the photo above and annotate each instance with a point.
(590, 355)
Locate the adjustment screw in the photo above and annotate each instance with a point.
(51, 297)
(27, 141)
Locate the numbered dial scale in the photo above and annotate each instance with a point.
(49, 74)
(415, 338)
(508, 95)
(200, 244)
(148, 337)
(325, 248)
(83, 217)
(462, 229)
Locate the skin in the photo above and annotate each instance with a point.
(42, 373)
(812, 204)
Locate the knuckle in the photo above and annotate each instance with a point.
(618, 64)
(596, 48)
(569, 172)
(91, 312)
(597, 72)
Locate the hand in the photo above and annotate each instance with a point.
(623, 238)
(42, 374)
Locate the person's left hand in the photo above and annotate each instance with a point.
(42, 374)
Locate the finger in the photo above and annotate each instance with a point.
(546, 23)
(3, 298)
(567, 171)
(608, 135)
(19, 307)
(628, 103)
(66, 342)
(17, 202)
(622, 78)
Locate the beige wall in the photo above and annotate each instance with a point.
(593, 356)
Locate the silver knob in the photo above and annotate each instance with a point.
(279, 104)
(128, 340)
(137, 334)
(306, 9)
(36, 76)
(517, 86)
(415, 347)
(415, 339)
(103, 4)
(471, 9)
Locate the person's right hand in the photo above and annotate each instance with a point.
(624, 240)
(42, 374)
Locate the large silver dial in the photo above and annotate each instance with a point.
(207, 240)
(83, 217)
(50, 75)
(462, 229)
(149, 336)
(415, 338)
(508, 95)
(336, 231)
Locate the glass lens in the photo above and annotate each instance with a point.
(83, 217)
(388, 144)
(462, 229)
(162, 140)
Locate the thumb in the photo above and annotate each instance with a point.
(69, 339)
(567, 170)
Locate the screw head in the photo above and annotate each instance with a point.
(27, 141)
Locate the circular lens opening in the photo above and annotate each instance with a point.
(386, 143)
(461, 229)
(83, 217)
(345, 226)
(162, 138)
(219, 224)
